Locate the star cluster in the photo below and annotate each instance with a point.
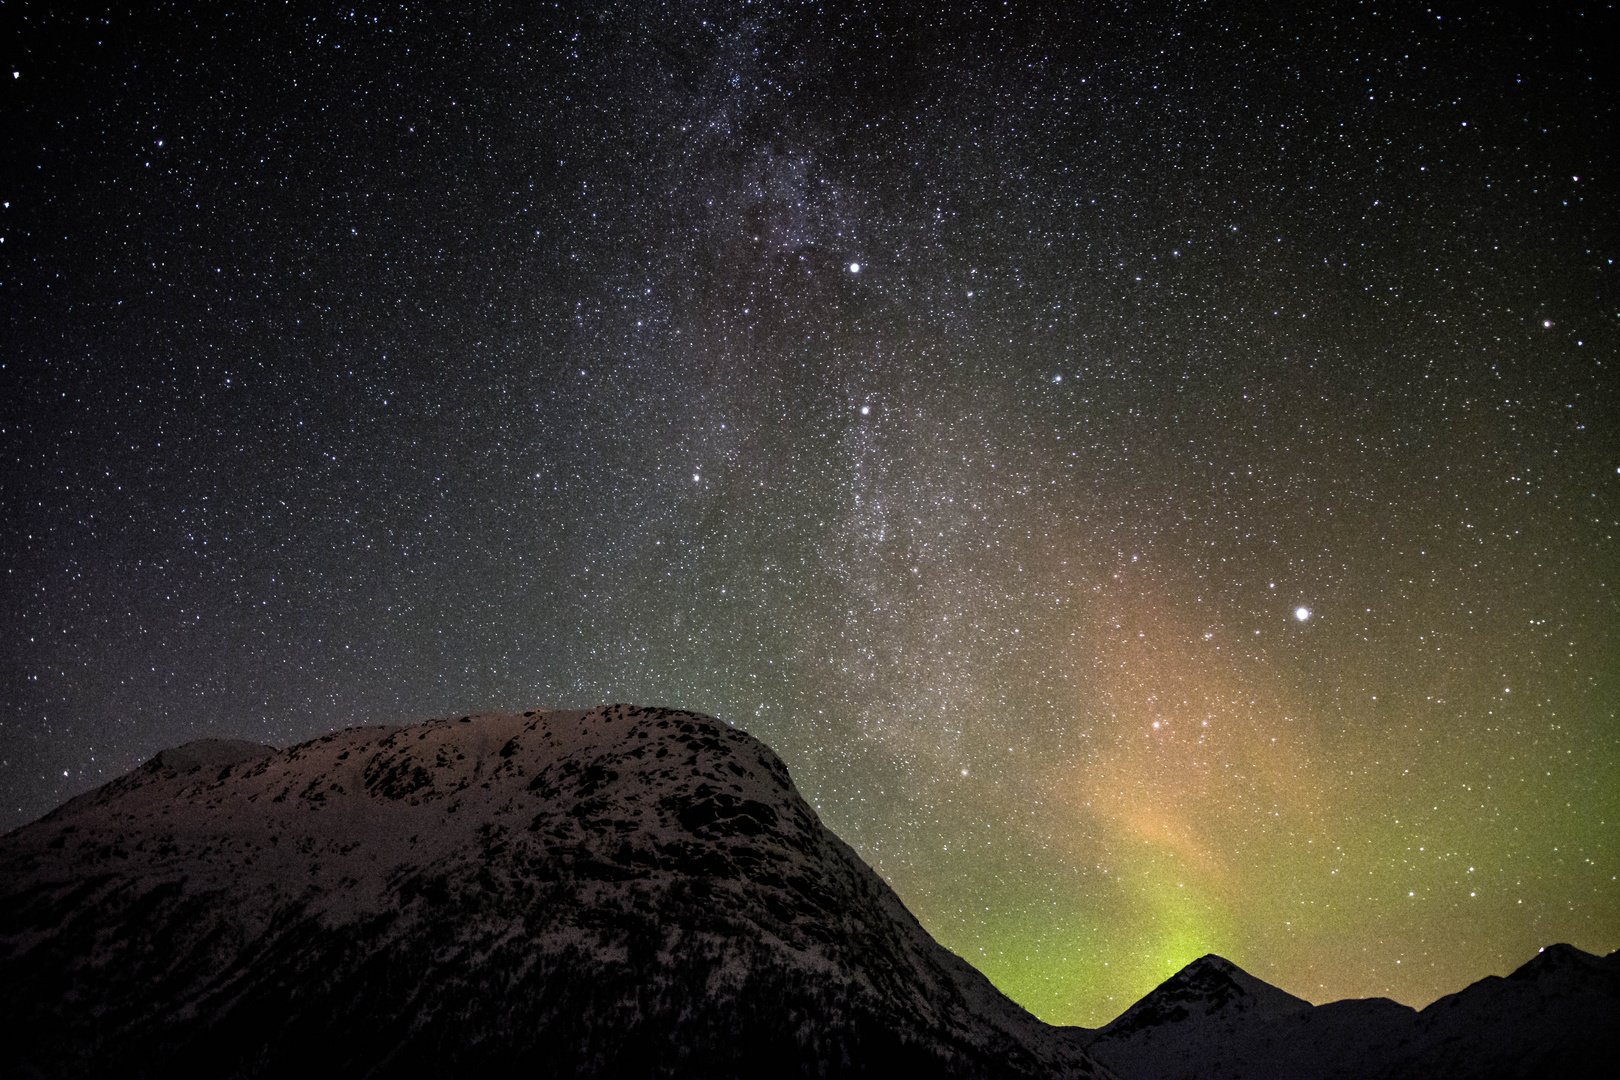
(1150, 471)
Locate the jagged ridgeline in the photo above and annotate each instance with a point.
(615, 892)
(1556, 1016)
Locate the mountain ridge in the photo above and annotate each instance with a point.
(616, 891)
(1558, 1014)
(609, 892)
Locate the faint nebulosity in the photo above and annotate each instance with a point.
(1150, 471)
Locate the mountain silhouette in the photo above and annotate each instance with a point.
(618, 892)
(612, 892)
(1557, 1016)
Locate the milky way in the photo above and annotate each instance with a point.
(1151, 473)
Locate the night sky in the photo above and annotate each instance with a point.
(1150, 471)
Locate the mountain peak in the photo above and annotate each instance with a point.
(617, 890)
(1210, 987)
(1554, 1016)
(1554, 960)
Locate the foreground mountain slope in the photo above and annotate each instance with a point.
(618, 892)
(1557, 1016)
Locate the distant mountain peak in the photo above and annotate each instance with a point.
(1561, 957)
(1209, 987)
(1557, 1015)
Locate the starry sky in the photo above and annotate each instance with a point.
(1149, 469)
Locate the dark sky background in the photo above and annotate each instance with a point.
(1150, 470)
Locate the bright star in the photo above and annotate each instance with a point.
(854, 268)
(1302, 613)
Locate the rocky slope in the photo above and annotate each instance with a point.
(1557, 1016)
(619, 892)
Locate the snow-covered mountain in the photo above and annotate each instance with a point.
(1557, 1016)
(618, 892)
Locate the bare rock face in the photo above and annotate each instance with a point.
(619, 892)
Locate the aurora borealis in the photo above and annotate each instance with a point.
(965, 405)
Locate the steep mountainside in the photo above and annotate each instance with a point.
(1557, 1016)
(619, 892)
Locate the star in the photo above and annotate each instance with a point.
(679, 268)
